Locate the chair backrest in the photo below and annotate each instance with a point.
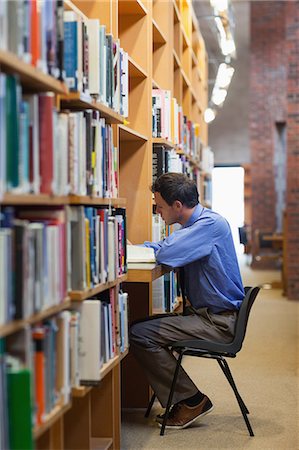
(235, 346)
(243, 315)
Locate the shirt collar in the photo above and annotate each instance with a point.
(196, 214)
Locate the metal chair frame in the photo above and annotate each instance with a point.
(217, 351)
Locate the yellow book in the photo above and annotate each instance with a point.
(87, 257)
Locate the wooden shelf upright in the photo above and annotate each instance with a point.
(173, 50)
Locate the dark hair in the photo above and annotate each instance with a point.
(176, 186)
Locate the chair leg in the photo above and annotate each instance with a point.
(178, 365)
(150, 405)
(225, 368)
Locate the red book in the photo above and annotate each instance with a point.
(46, 108)
(34, 35)
(38, 335)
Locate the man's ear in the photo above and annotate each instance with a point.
(178, 205)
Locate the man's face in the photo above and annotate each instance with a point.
(170, 214)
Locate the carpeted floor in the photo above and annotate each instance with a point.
(266, 372)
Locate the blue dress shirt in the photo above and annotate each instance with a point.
(204, 247)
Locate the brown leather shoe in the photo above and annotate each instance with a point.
(182, 415)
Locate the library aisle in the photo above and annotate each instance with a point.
(266, 371)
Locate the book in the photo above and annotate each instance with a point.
(19, 408)
(140, 254)
(89, 341)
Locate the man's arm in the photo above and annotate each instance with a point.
(186, 245)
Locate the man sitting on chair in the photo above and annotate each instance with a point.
(204, 248)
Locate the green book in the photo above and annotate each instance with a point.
(19, 409)
(12, 131)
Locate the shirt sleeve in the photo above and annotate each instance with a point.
(187, 245)
(155, 245)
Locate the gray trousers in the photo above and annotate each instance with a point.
(149, 341)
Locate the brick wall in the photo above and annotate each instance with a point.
(292, 41)
(274, 98)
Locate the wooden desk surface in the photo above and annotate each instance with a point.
(146, 273)
(275, 237)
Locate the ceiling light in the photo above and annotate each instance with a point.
(218, 96)
(220, 5)
(224, 75)
(209, 115)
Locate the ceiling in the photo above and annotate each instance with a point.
(228, 133)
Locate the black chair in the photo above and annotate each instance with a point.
(218, 351)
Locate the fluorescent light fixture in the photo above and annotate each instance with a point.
(218, 96)
(209, 115)
(228, 47)
(224, 75)
(220, 5)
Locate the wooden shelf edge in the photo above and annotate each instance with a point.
(165, 142)
(51, 418)
(30, 75)
(185, 78)
(177, 59)
(83, 295)
(80, 391)
(127, 134)
(107, 367)
(185, 37)
(33, 199)
(158, 35)
(132, 7)
(135, 70)
(44, 199)
(176, 10)
(101, 443)
(17, 325)
(80, 100)
(84, 200)
(155, 85)
(147, 275)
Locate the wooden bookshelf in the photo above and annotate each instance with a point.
(83, 295)
(178, 64)
(147, 274)
(85, 200)
(16, 325)
(31, 78)
(33, 199)
(52, 200)
(165, 51)
(51, 418)
(80, 101)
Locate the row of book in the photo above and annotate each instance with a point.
(88, 246)
(95, 63)
(68, 47)
(34, 31)
(97, 246)
(169, 122)
(80, 342)
(165, 293)
(29, 243)
(42, 151)
(166, 160)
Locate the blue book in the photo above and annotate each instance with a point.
(71, 50)
(89, 212)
